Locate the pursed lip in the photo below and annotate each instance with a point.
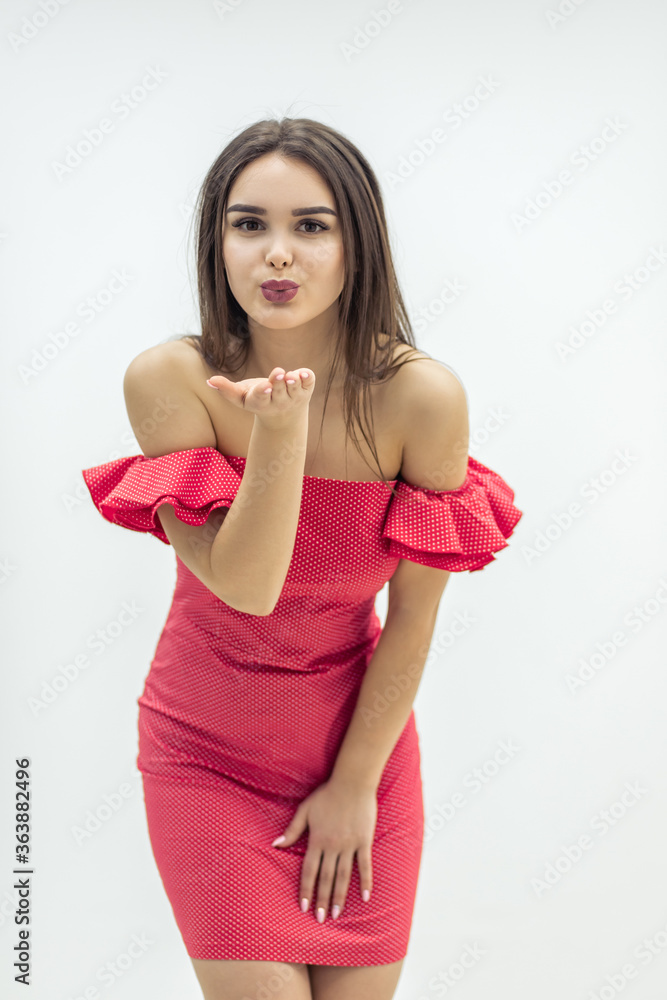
(279, 286)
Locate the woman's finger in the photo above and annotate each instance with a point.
(364, 861)
(342, 883)
(325, 883)
(309, 870)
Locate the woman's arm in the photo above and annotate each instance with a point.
(251, 552)
(397, 664)
(435, 456)
(242, 554)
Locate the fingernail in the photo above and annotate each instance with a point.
(278, 840)
(304, 905)
(365, 895)
(268, 390)
(289, 381)
(335, 910)
(320, 914)
(208, 382)
(278, 377)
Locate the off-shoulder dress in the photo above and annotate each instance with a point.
(241, 716)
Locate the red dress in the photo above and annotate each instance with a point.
(241, 716)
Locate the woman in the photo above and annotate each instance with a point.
(277, 740)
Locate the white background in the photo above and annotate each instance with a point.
(540, 610)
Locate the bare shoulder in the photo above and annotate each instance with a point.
(434, 409)
(424, 383)
(163, 405)
(177, 356)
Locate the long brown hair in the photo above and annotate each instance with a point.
(372, 315)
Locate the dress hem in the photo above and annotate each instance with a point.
(299, 961)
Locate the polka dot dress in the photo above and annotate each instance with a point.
(241, 716)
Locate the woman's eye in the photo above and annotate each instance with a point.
(245, 222)
(311, 222)
(255, 222)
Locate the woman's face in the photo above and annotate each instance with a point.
(264, 241)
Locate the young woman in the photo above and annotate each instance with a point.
(277, 739)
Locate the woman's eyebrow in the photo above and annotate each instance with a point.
(256, 210)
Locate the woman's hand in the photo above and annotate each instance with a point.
(281, 394)
(341, 820)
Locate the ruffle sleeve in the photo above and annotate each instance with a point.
(454, 530)
(128, 491)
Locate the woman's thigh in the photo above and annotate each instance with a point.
(240, 980)
(363, 982)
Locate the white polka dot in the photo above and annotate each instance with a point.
(241, 716)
